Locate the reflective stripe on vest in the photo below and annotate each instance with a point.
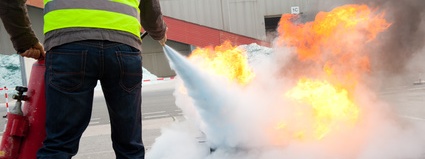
(123, 15)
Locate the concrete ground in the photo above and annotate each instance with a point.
(408, 102)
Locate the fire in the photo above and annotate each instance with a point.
(334, 44)
(225, 60)
(331, 59)
(330, 106)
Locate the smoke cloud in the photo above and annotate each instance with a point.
(225, 120)
(404, 41)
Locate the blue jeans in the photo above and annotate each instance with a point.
(72, 72)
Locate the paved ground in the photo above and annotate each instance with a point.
(96, 143)
(408, 102)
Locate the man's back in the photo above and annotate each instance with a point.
(87, 42)
(118, 21)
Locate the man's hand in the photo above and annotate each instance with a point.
(35, 52)
(163, 40)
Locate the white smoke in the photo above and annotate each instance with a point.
(239, 122)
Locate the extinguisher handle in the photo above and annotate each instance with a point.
(143, 34)
(20, 96)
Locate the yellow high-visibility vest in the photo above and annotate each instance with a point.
(122, 15)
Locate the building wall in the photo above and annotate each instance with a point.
(154, 58)
(205, 12)
(245, 17)
(5, 44)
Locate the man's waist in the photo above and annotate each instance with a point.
(63, 36)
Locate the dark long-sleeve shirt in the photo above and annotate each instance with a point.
(14, 16)
(151, 18)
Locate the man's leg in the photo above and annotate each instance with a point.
(69, 98)
(121, 86)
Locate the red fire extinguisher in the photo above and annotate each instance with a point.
(16, 128)
(25, 130)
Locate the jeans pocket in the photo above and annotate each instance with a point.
(65, 69)
(131, 69)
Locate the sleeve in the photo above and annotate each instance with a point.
(14, 15)
(151, 18)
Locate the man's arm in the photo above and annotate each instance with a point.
(14, 16)
(151, 19)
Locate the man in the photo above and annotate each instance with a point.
(87, 41)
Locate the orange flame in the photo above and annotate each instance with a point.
(334, 42)
(331, 59)
(329, 106)
(331, 48)
(225, 60)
